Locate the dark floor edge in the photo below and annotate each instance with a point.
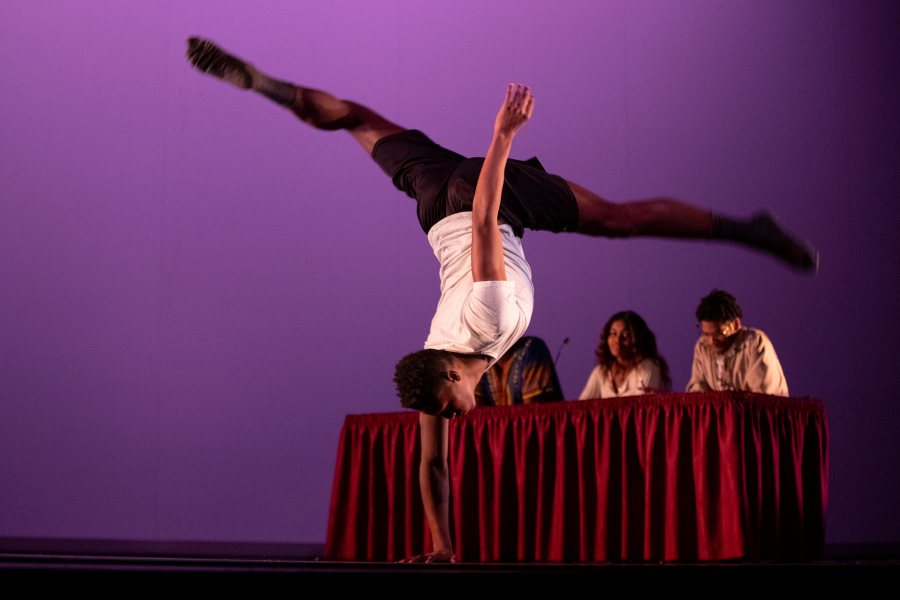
(137, 548)
(256, 551)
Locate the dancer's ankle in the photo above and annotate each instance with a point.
(282, 92)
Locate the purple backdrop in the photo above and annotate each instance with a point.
(197, 287)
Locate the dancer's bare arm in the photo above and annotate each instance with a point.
(487, 248)
(435, 485)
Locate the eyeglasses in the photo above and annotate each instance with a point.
(722, 331)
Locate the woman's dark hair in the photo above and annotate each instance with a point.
(644, 344)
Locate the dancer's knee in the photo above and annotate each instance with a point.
(653, 216)
(605, 219)
(324, 111)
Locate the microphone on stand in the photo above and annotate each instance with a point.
(564, 342)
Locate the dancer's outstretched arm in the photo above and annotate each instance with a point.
(434, 483)
(487, 247)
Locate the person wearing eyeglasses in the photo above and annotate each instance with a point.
(730, 356)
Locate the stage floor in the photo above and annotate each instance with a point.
(259, 564)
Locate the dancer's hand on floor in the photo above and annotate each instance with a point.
(431, 557)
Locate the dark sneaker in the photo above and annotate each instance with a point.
(767, 234)
(212, 60)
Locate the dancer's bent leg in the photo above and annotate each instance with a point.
(666, 217)
(315, 107)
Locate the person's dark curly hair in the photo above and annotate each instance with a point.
(718, 307)
(418, 378)
(644, 345)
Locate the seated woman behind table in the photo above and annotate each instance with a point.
(628, 362)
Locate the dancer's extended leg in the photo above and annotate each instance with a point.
(659, 217)
(667, 217)
(315, 107)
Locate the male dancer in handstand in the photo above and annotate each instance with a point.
(474, 212)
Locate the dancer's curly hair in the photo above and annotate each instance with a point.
(418, 378)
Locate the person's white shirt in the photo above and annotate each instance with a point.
(485, 317)
(644, 376)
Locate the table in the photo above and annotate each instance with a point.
(663, 477)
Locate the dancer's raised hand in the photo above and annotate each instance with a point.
(515, 110)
